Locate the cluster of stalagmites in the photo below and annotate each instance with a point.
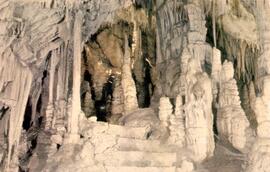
(232, 123)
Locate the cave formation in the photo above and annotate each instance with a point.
(134, 85)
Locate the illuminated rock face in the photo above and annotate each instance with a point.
(133, 85)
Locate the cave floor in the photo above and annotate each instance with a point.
(225, 159)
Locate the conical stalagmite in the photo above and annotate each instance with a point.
(128, 85)
(232, 123)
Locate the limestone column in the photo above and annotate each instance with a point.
(60, 102)
(76, 100)
(50, 107)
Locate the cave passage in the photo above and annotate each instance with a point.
(27, 116)
(103, 106)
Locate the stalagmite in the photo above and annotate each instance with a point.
(128, 85)
(177, 124)
(88, 104)
(198, 112)
(165, 111)
(232, 123)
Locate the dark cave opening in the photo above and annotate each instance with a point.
(103, 106)
(3, 110)
(145, 86)
(32, 124)
(39, 118)
(27, 116)
(100, 67)
(88, 77)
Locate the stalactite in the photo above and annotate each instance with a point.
(240, 44)
(15, 94)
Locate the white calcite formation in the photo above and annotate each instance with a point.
(260, 154)
(165, 111)
(192, 121)
(198, 112)
(232, 122)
